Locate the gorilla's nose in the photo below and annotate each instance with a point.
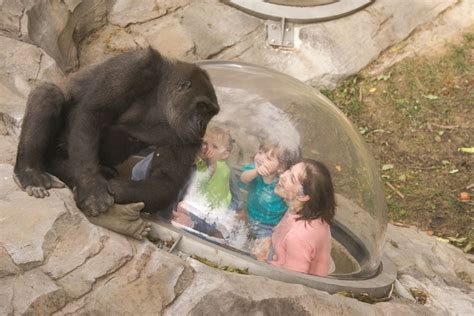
(213, 109)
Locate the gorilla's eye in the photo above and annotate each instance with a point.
(184, 84)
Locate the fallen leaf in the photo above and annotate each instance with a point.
(464, 196)
(431, 97)
(454, 171)
(446, 241)
(420, 295)
(468, 247)
(467, 150)
(387, 167)
(457, 240)
(372, 90)
(363, 130)
(393, 243)
(384, 77)
(429, 232)
(400, 224)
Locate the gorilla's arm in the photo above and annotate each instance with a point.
(101, 94)
(169, 172)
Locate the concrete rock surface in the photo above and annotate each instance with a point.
(324, 53)
(54, 261)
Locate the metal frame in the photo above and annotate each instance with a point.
(300, 14)
(378, 286)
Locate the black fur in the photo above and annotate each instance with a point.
(108, 112)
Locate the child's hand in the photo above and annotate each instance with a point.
(183, 219)
(264, 171)
(211, 153)
(241, 215)
(181, 216)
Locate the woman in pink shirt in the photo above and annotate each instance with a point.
(302, 240)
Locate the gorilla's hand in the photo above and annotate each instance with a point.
(36, 183)
(93, 197)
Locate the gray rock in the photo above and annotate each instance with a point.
(145, 285)
(115, 253)
(327, 52)
(125, 12)
(109, 42)
(34, 293)
(7, 267)
(214, 27)
(431, 37)
(6, 295)
(55, 28)
(219, 293)
(71, 253)
(8, 138)
(324, 52)
(22, 66)
(433, 266)
(169, 36)
(26, 222)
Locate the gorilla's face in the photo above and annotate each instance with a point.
(191, 101)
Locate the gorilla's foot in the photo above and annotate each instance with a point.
(93, 197)
(36, 183)
(124, 219)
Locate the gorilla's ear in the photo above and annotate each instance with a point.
(184, 84)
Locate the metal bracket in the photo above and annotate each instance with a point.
(280, 33)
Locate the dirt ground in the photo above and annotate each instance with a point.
(415, 117)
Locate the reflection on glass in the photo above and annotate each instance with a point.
(242, 194)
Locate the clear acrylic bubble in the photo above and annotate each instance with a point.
(261, 106)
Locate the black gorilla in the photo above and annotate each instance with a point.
(104, 114)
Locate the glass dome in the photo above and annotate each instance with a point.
(262, 106)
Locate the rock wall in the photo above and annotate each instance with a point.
(52, 260)
(324, 53)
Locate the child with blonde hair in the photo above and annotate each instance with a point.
(265, 208)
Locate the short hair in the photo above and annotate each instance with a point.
(317, 183)
(285, 156)
(222, 133)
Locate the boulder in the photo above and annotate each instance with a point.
(439, 269)
(55, 26)
(22, 66)
(54, 259)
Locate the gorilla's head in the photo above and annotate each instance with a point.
(190, 100)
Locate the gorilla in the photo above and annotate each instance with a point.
(107, 112)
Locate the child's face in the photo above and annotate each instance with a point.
(268, 159)
(289, 185)
(214, 148)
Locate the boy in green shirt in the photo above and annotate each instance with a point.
(212, 183)
(216, 185)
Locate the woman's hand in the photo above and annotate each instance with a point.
(262, 248)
